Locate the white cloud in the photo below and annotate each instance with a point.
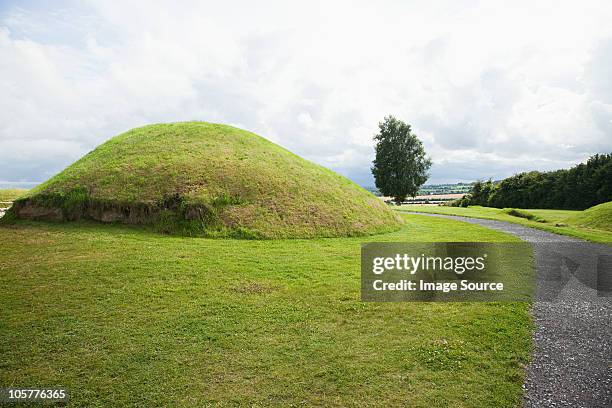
(491, 87)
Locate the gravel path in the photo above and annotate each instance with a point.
(572, 361)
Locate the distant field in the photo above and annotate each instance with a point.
(120, 316)
(437, 189)
(462, 188)
(10, 194)
(567, 220)
(431, 197)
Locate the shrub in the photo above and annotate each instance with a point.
(523, 214)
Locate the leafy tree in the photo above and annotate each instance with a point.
(481, 192)
(476, 193)
(602, 182)
(400, 166)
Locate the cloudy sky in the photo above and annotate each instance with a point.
(492, 88)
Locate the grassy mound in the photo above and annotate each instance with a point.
(207, 179)
(598, 217)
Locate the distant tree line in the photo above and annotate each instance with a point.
(578, 188)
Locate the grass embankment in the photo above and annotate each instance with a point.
(206, 179)
(9, 194)
(597, 217)
(592, 224)
(122, 317)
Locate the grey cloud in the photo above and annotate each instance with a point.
(602, 116)
(597, 72)
(483, 109)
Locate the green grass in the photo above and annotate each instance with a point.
(198, 178)
(565, 222)
(10, 194)
(121, 316)
(597, 217)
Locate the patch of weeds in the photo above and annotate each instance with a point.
(167, 221)
(225, 200)
(74, 202)
(178, 216)
(245, 233)
(441, 356)
(523, 214)
(175, 223)
(256, 288)
(8, 218)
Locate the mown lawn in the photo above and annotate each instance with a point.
(120, 316)
(552, 217)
